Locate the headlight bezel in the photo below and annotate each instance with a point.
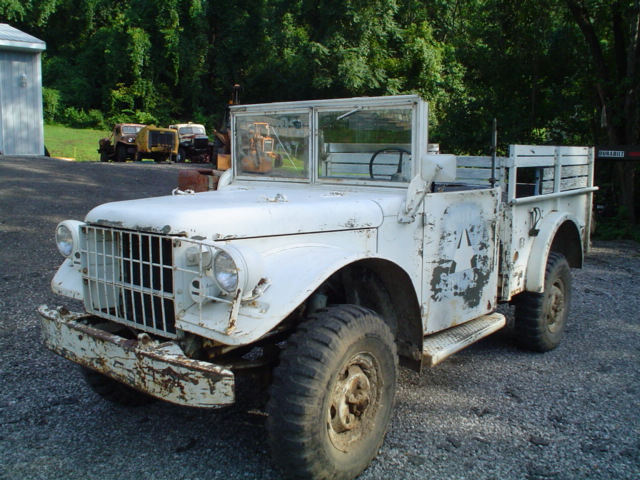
(67, 237)
(247, 264)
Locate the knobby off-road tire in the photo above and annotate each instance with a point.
(541, 318)
(332, 394)
(114, 391)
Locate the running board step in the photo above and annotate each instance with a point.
(442, 345)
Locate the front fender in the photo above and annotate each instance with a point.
(294, 272)
(549, 228)
(68, 280)
(297, 271)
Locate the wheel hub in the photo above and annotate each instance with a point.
(353, 401)
(555, 306)
(350, 399)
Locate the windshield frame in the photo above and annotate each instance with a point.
(363, 147)
(419, 115)
(253, 176)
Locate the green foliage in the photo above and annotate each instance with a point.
(610, 228)
(13, 10)
(78, 118)
(133, 116)
(550, 71)
(50, 104)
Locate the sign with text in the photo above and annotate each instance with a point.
(618, 152)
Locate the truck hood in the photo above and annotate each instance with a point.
(243, 212)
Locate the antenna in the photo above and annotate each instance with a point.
(494, 151)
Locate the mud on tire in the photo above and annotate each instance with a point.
(332, 394)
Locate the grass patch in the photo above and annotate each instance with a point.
(79, 144)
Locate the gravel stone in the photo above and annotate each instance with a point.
(489, 412)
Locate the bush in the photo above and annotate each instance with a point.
(78, 118)
(616, 227)
(51, 104)
(131, 116)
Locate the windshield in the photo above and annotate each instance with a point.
(131, 129)
(363, 141)
(365, 144)
(192, 130)
(274, 145)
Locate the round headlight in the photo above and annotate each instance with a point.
(68, 237)
(237, 268)
(225, 271)
(64, 240)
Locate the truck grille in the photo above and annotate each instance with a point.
(129, 278)
(200, 142)
(161, 139)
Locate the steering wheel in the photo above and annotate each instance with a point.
(399, 150)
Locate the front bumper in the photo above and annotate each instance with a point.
(159, 369)
(161, 149)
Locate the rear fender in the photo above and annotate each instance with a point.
(559, 231)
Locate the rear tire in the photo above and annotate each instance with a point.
(114, 391)
(541, 318)
(332, 394)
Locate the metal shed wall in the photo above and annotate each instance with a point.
(21, 115)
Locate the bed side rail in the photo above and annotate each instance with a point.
(550, 171)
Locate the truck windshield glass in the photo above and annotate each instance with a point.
(131, 129)
(191, 130)
(365, 144)
(273, 145)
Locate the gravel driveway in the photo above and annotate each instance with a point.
(490, 412)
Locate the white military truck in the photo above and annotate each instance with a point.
(358, 250)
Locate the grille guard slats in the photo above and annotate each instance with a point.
(128, 278)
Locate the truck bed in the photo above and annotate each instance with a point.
(536, 182)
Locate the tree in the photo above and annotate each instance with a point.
(611, 33)
(550, 71)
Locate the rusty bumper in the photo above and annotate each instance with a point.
(159, 369)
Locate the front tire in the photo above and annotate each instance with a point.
(541, 318)
(182, 155)
(121, 153)
(332, 394)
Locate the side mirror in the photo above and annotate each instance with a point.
(433, 167)
(438, 167)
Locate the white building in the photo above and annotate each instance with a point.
(21, 120)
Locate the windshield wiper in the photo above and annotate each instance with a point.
(345, 115)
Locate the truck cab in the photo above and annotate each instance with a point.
(121, 145)
(194, 142)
